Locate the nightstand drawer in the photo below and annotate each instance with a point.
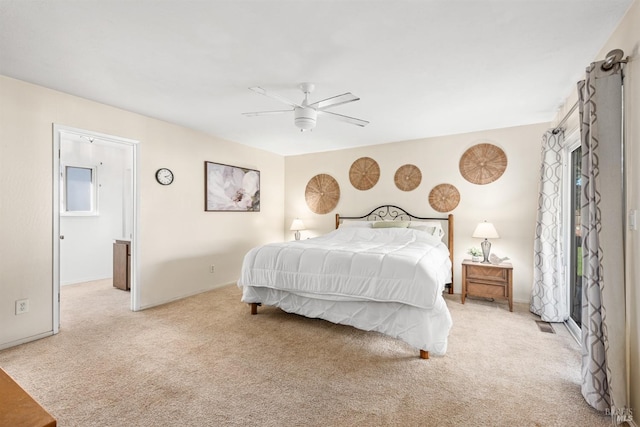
(486, 273)
(486, 289)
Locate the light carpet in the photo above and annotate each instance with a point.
(205, 361)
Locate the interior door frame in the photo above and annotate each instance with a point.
(58, 130)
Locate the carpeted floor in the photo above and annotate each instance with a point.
(204, 361)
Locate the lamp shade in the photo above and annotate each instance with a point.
(297, 224)
(485, 230)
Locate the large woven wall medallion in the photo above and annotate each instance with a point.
(364, 173)
(322, 193)
(444, 197)
(408, 177)
(483, 164)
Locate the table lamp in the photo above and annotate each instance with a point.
(296, 226)
(485, 230)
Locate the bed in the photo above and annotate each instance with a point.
(384, 271)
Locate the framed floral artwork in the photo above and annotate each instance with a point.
(231, 188)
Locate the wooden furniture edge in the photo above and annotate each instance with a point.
(19, 408)
(463, 291)
(510, 287)
(424, 354)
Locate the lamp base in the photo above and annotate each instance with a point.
(297, 235)
(486, 250)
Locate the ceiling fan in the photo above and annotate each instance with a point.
(306, 114)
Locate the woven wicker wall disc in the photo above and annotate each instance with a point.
(364, 173)
(444, 197)
(322, 193)
(408, 177)
(483, 164)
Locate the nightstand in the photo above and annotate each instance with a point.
(487, 280)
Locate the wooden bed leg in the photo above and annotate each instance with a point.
(254, 307)
(424, 354)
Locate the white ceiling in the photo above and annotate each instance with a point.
(421, 68)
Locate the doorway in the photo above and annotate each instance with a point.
(94, 204)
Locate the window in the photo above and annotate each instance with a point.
(79, 195)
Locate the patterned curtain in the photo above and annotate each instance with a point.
(549, 293)
(604, 380)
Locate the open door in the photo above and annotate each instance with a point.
(94, 185)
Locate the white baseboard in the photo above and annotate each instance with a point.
(83, 280)
(199, 291)
(25, 340)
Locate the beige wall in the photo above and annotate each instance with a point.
(627, 37)
(178, 240)
(510, 202)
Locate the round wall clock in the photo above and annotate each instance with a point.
(483, 164)
(322, 193)
(408, 177)
(364, 173)
(444, 197)
(164, 176)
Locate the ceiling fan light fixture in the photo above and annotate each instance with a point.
(306, 114)
(305, 117)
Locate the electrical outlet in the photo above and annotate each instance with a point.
(212, 268)
(22, 306)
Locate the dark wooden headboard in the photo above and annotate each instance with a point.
(395, 213)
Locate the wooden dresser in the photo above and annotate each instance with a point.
(122, 264)
(487, 280)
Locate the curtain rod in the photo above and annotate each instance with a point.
(565, 118)
(613, 58)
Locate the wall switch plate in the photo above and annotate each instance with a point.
(22, 306)
(212, 268)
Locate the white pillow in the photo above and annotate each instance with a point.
(351, 224)
(426, 228)
(435, 227)
(391, 224)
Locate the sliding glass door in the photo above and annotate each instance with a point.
(575, 239)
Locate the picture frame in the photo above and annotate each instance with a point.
(231, 188)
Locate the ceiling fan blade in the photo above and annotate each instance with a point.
(347, 119)
(265, 113)
(334, 100)
(272, 95)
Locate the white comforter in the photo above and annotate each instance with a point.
(399, 265)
